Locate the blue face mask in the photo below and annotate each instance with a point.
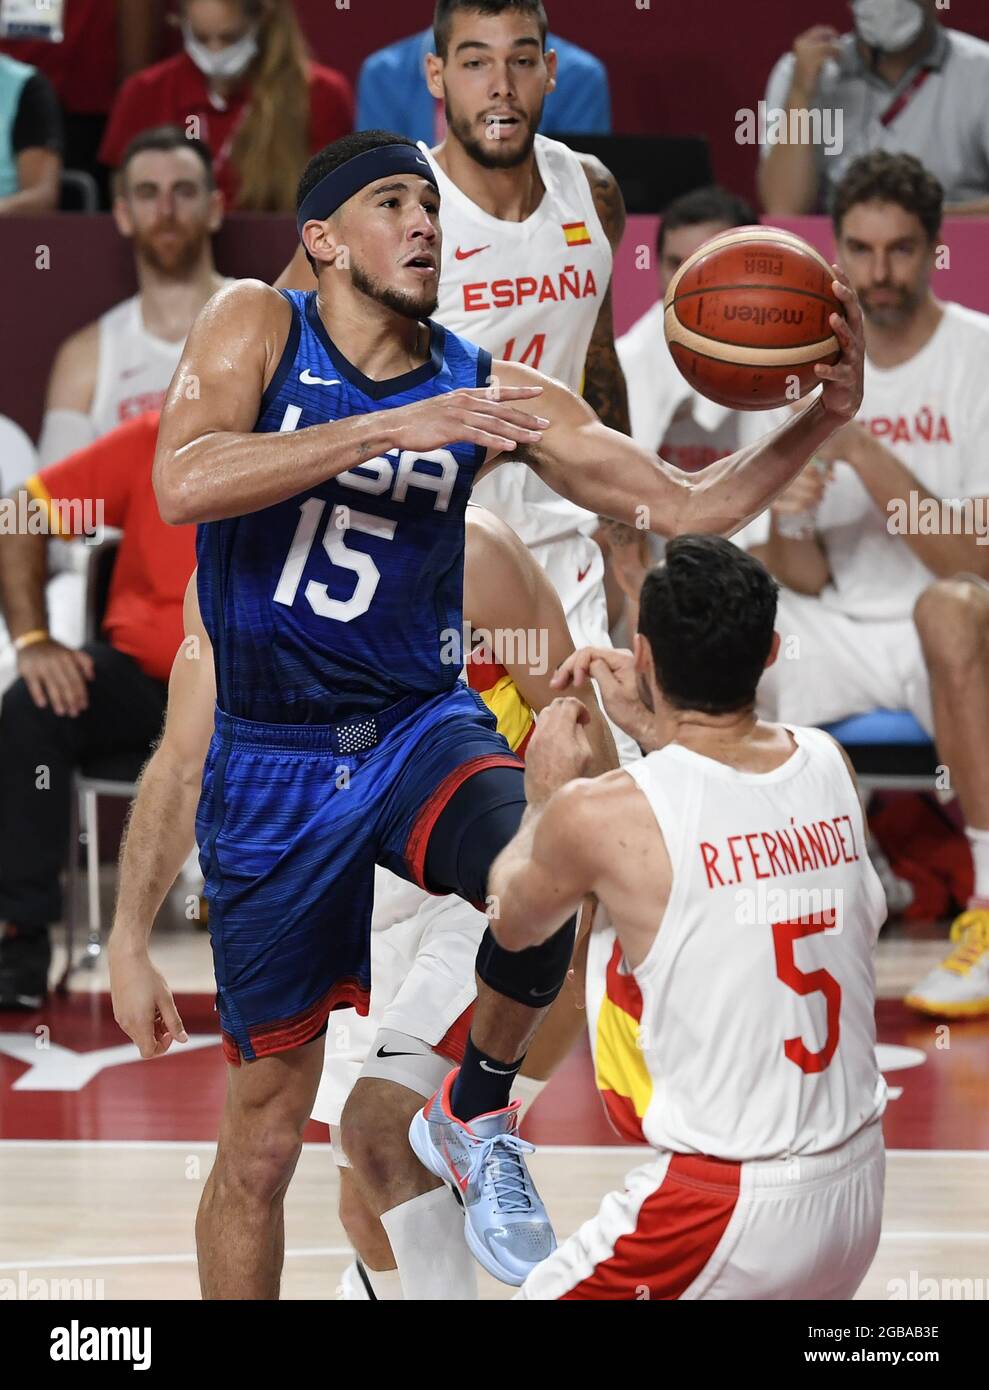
(889, 25)
(230, 62)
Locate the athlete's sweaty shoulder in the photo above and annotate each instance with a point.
(230, 356)
(245, 322)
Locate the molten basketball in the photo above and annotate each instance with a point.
(747, 317)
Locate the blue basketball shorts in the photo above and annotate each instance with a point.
(291, 822)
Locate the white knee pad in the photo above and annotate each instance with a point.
(406, 1061)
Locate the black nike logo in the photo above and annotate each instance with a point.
(383, 1052)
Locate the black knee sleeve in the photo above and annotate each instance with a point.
(476, 824)
(533, 977)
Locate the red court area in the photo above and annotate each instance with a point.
(81, 1079)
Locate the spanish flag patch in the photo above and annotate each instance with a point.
(576, 233)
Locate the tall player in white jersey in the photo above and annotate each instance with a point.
(731, 1004)
(529, 232)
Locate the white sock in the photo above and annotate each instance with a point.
(427, 1238)
(979, 842)
(526, 1089)
(386, 1283)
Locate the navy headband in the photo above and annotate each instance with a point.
(334, 190)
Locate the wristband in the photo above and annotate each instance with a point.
(29, 639)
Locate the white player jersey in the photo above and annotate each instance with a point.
(528, 292)
(135, 367)
(748, 1032)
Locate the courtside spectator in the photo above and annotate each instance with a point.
(72, 705)
(900, 82)
(886, 597)
(392, 92)
(121, 364)
(30, 141)
(245, 85)
(103, 42)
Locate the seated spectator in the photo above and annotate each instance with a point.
(392, 92)
(246, 87)
(667, 414)
(886, 597)
(899, 82)
(103, 42)
(30, 141)
(71, 705)
(121, 364)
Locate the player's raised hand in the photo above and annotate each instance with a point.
(614, 670)
(811, 50)
(559, 749)
(844, 382)
(142, 1002)
(487, 416)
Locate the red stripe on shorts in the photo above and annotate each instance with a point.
(425, 822)
(679, 1228)
(453, 1043)
(281, 1036)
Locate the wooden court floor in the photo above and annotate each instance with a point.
(102, 1157)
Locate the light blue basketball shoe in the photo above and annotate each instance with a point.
(505, 1223)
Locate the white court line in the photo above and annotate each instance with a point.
(934, 1235)
(338, 1251)
(590, 1150)
(96, 1262)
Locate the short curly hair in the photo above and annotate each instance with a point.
(881, 177)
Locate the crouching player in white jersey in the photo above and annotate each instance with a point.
(733, 1028)
(406, 1226)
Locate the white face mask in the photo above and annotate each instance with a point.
(229, 62)
(890, 25)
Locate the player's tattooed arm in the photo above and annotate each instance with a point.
(605, 390)
(604, 381)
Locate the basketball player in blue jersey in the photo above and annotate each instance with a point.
(327, 444)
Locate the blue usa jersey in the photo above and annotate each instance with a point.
(341, 601)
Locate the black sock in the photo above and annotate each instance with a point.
(483, 1083)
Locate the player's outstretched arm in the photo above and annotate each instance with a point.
(210, 464)
(160, 833)
(610, 474)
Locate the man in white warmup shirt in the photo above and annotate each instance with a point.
(121, 364)
(731, 1003)
(887, 593)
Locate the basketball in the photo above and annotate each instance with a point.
(747, 317)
